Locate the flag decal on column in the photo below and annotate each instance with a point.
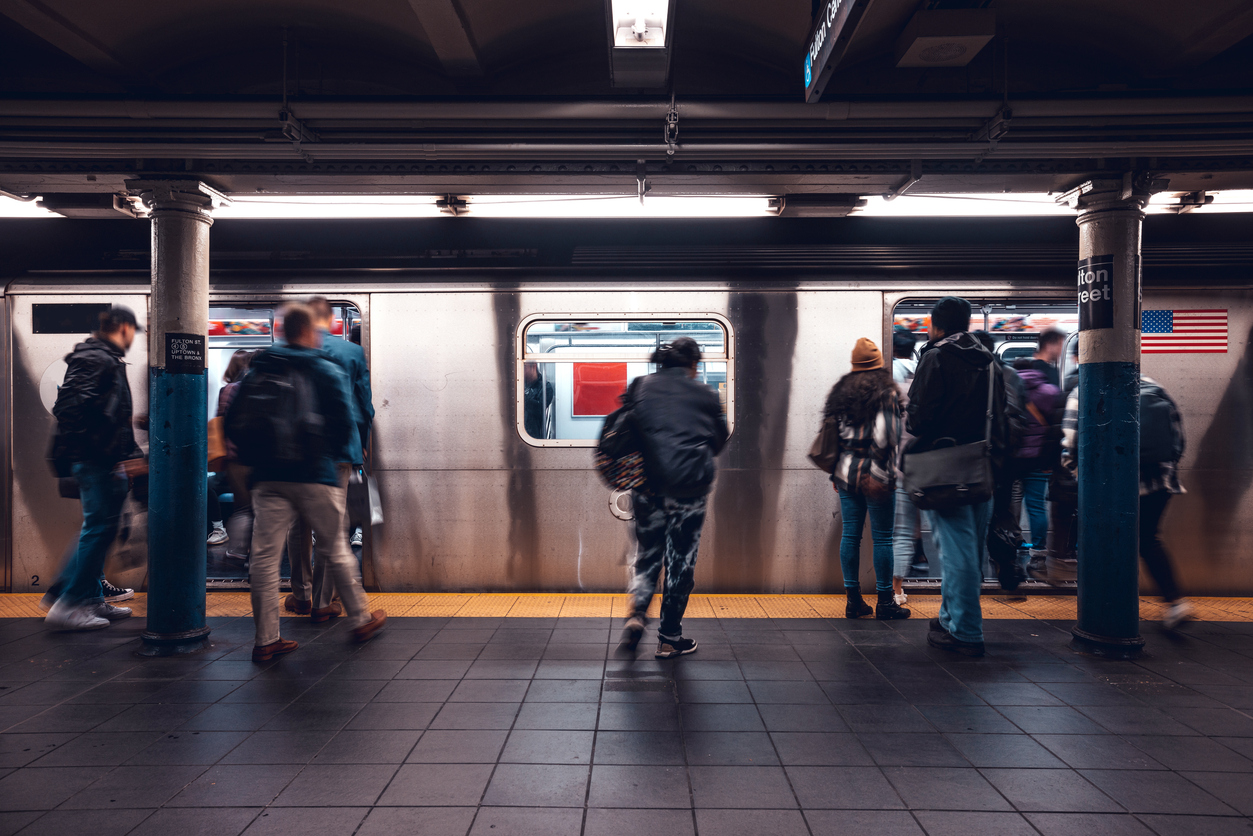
(1183, 332)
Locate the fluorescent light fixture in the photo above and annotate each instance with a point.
(601, 206)
(639, 23)
(298, 207)
(10, 208)
(964, 206)
(1231, 200)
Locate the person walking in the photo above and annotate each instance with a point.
(239, 526)
(681, 428)
(1037, 454)
(293, 423)
(95, 444)
(867, 406)
(1049, 347)
(948, 405)
(313, 591)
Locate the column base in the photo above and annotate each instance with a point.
(1106, 647)
(173, 644)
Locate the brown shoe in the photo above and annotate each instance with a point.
(320, 614)
(266, 652)
(371, 628)
(294, 604)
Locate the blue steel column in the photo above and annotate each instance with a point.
(178, 445)
(1110, 216)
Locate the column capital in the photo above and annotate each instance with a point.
(1132, 191)
(190, 196)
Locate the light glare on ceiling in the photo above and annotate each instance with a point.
(10, 208)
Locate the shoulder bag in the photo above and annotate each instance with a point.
(957, 474)
(619, 456)
(824, 453)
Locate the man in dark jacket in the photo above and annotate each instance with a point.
(95, 444)
(681, 428)
(949, 400)
(311, 488)
(312, 590)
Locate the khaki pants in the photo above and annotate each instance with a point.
(309, 581)
(276, 506)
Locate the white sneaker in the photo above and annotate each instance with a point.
(218, 536)
(66, 616)
(356, 537)
(112, 613)
(1179, 612)
(900, 598)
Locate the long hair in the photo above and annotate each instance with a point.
(239, 363)
(857, 396)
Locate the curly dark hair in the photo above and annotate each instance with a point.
(857, 396)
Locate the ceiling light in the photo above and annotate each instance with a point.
(1231, 200)
(601, 206)
(639, 42)
(328, 206)
(639, 23)
(10, 208)
(964, 205)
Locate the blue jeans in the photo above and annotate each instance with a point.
(904, 533)
(853, 510)
(960, 533)
(102, 490)
(1035, 485)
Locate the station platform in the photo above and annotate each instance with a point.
(509, 715)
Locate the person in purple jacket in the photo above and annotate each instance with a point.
(1037, 453)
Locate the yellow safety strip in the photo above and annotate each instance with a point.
(550, 605)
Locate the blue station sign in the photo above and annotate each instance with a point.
(828, 39)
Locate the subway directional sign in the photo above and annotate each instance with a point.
(828, 39)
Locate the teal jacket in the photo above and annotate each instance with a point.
(351, 358)
(335, 404)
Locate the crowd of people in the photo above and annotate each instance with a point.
(297, 419)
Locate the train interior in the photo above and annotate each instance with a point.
(234, 329)
(1015, 326)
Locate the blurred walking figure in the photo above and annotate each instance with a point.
(239, 526)
(907, 550)
(313, 591)
(681, 428)
(1048, 353)
(867, 406)
(293, 423)
(95, 444)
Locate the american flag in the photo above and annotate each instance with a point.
(1183, 332)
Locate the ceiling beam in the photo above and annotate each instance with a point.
(1214, 38)
(39, 19)
(446, 26)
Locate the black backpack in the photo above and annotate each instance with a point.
(275, 419)
(1158, 440)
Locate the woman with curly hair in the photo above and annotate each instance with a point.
(867, 404)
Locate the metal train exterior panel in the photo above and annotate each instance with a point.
(471, 505)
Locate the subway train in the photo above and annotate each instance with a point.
(490, 388)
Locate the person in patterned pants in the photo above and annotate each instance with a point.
(667, 533)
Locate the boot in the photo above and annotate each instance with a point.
(887, 608)
(856, 607)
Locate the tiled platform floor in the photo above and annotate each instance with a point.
(513, 726)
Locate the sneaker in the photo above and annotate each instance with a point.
(671, 648)
(632, 632)
(900, 598)
(371, 628)
(67, 616)
(47, 601)
(266, 652)
(218, 536)
(293, 604)
(320, 614)
(112, 613)
(890, 611)
(356, 538)
(944, 640)
(113, 594)
(1179, 612)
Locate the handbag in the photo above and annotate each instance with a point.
(824, 453)
(950, 477)
(217, 445)
(619, 456)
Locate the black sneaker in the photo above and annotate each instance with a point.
(670, 648)
(944, 640)
(116, 593)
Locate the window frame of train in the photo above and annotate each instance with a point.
(628, 355)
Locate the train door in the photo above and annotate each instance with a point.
(1013, 322)
(236, 332)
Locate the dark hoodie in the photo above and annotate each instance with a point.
(93, 408)
(948, 398)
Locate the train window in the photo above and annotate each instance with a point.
(66, 319)
(573, 369)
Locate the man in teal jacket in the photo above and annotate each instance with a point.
(312, 590)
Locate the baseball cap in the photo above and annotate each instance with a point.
(124, 316)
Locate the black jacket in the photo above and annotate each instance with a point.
(950, 394)
(93, 409)
(682, 428)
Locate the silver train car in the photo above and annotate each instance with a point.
(488, 397)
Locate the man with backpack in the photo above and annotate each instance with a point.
(95, 445)
(292, 422)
